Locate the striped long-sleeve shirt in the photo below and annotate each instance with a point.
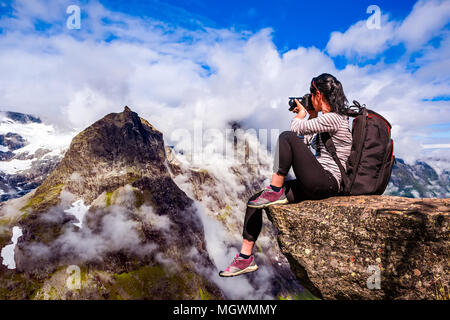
(338, 127)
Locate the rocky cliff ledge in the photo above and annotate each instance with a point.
(367, 247)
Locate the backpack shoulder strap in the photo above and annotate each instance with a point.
(355, 110)
(329, 145)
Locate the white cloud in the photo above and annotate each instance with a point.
(158, 222)
(434, 65)
(117, 232)
(360, 41)
(425, 22)
(158, 70)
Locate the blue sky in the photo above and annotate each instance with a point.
(220, 61)
(295, 23)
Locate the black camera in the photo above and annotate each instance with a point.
(305, 102)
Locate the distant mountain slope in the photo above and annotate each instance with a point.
(419, 180)
(29, 151)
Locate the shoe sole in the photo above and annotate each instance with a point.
(246, 270)
(265, 205)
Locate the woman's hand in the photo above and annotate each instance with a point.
(299, 110)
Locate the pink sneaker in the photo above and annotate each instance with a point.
(239, 266)
(267, 198)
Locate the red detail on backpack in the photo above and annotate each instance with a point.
(384, 120)
(392, 155)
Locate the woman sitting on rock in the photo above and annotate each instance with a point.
(318, 176)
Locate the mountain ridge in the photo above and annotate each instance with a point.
(139, 203)
(119, 172)
(408, 180)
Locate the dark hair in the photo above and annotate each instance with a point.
(332, 90)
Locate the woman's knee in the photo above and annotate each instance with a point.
(287, 134)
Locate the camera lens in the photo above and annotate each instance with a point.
(307, 102)
(292, 104)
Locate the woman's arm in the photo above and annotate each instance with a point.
(301, 114)
(328, 122)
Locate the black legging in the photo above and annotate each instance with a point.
(313, 181)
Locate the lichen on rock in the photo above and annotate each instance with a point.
(337, 245)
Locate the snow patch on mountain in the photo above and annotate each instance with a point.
(29, 151)
(78, 209)
(15, 165)
(7, 252)
(37, 136)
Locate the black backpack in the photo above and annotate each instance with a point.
(371, 159)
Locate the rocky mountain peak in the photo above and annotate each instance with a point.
(138, 229)
(118, 149)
